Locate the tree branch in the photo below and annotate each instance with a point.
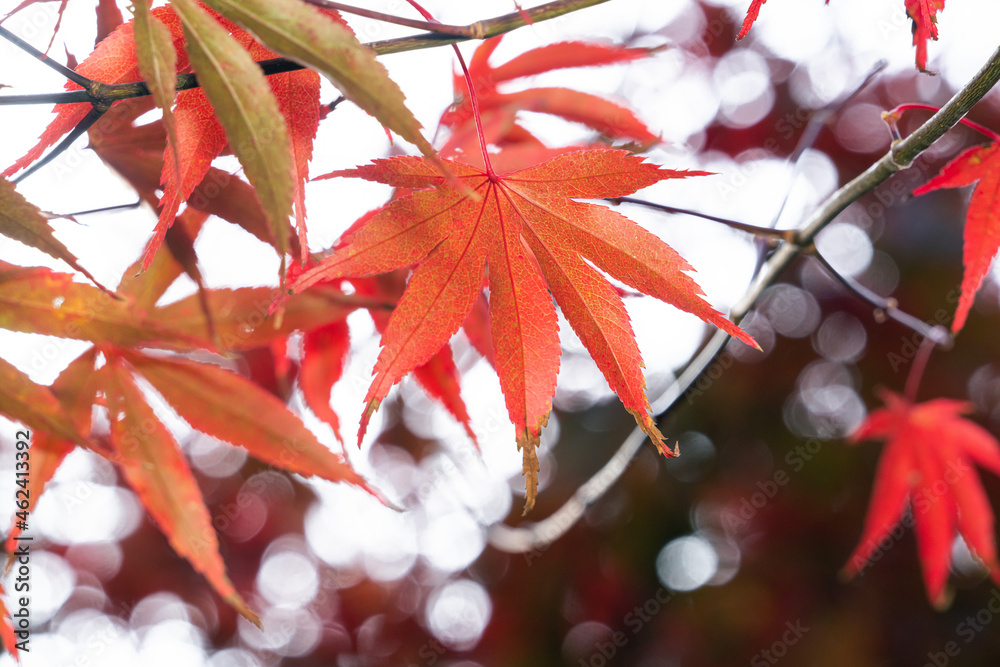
(537, 536)
(101, 93)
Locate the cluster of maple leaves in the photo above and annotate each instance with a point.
(487, 242)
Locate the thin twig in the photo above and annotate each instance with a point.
(537, 536)
(92, 117)
(917, 370)
(75, 77)
(91, 211)
(768, 232)
(892, 116)
(440, 28)
(890, 307)
(105, 93)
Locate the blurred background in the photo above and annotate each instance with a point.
(727, 555)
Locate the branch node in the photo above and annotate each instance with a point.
(893, 160)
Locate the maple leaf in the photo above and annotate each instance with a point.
(752, 13)
(109, 17)
(499, 110)
(41, 301)
(926, 461)
(155, 468)
(438, 376)
(234, 106)
(923, 13)
(982, 222)
(526, 228)
(324, 354)
(113, 61)
(325, 349)
(48, 448)
(22, 221)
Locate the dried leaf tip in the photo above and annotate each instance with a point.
(528, 444)
(244, 610)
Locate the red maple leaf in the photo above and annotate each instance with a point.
(499, 110)
(923, 13)
(113, 61)
(927, 462)
(982, 222)
(325, 350)
(536, 242)
(201, 137)
(752, 13)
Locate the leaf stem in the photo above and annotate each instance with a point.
(85, 124)
(917, 369)
(472, 94)
(895, 114)
(429, 25)
(767, 232)
(889, 307)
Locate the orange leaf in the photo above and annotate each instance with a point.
(34, 405)
(239, 315)
(298, 99)
(606, 117)
(439, 376)
(560, 56)
(324, 352)
(109, 17)
(927, 462)
(155, 468)
(259, 422)
(76, 393)
(113, 61)
(37, 300)
(534, 237)
(982, 222)
(22, 221)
